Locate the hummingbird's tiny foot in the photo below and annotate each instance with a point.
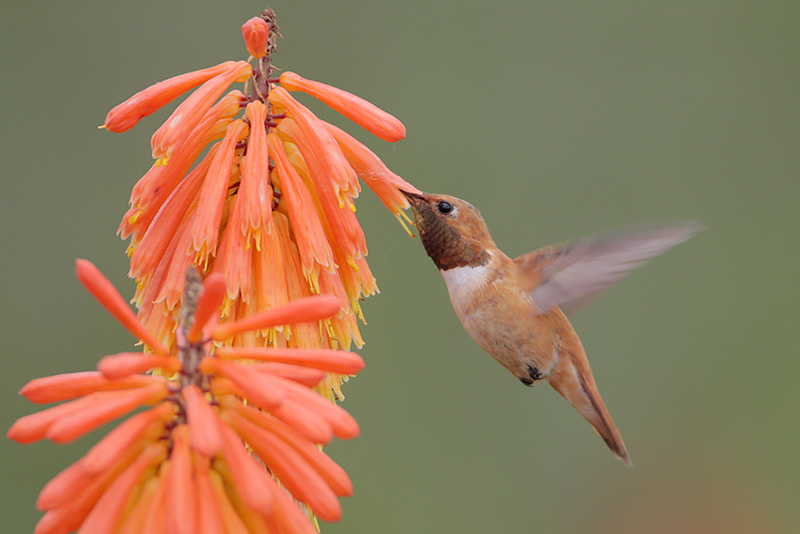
(533, 376)
(534, 372)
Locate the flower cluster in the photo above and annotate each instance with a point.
(181, 465)
(239, 374)
(270, 205)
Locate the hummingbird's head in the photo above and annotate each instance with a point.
(452, 230)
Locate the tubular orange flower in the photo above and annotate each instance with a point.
(125, 116)
(157, 468)
(364, 113)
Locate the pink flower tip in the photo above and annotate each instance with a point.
(256, 36)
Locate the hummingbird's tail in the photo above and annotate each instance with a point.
(572, 378)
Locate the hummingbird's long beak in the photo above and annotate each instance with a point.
(413, 198)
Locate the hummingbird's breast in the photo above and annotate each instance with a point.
(501, 319)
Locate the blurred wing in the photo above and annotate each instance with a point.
(570, 275)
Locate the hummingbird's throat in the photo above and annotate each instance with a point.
(443, 243)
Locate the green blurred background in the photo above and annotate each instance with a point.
(556, 119)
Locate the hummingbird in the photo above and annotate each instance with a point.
(516, 309)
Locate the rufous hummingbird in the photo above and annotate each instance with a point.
(516, 310)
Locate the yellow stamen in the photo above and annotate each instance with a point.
(403, 223)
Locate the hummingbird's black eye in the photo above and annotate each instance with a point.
(444, 207)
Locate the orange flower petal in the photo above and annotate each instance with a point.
(209, 517)
(208, 305)
(383, 182)
(257, 488)
(302, 375)
(106, 407)
(309, 234)
(156, 520)
(125, 116)
(161, 231)
(256, 36)
(317, 138)
(304, 483)
(35, 426)
(364, 113)
(189, 113)
(255, 191)
(61, 488)
(257, 388)
(233, 522)
(107, 513)
(205, 230)
(134, 523)
(344, 425)
(203, 422)
(332, 361)
(58, 388)
(105, 293)
(346, 231)
(69, 516)
(142, 427)
(304, 310)
(233, 260)
(180, 501)
(125, 364)
(306, 422)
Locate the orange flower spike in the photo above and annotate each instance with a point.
(318, 139)
(105, 293)
(207, 217)
(125, 364)
(364, 113)
(58, 388)
(108, 512)
(256, 36)
(125, 116)
(331, 361)
(373, 171)
(289, 467)
(305, 310)
(107, 406)
(189, 113)
(255, 192)
(208, 305)
(144, 426)
(203, 422)
(309, 232)
(258, 490)
(180, 502)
